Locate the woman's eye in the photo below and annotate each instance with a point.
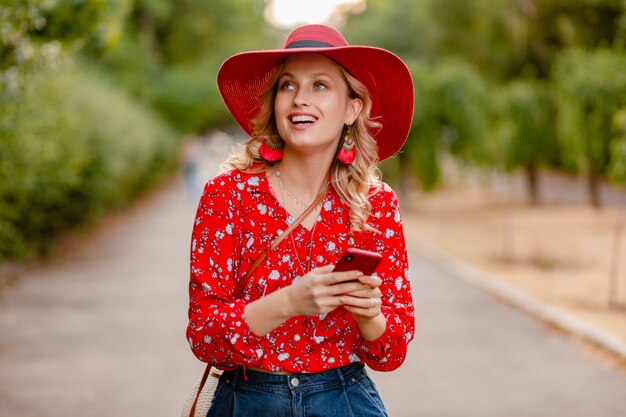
(320, 85)
(287, 85)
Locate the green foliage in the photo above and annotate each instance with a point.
(591, 90)
(90, 24)
(380, 22)
(170, 53)
(188, 97)
(450, 115)
(76, 141)
(525, 124)
(197, 29)
(477, 31)
(18, 53)
(36, 34)
(133, 67)
(508, 120)
(464, 104)
(423, 145)
(72, 146)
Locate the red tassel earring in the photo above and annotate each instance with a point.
(271, 149)
(347, 152)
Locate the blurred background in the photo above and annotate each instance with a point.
(516, 160)
(103, 91)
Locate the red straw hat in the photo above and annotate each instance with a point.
(243, 77)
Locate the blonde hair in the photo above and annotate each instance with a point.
(354, 183)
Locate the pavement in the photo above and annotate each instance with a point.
(99, 331)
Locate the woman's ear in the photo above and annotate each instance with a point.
(354, 109)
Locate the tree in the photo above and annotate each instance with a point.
(171, 52)
(507, 41)
(450, 95)
(420, 155)
(449, 116)
(591, 92)
(521, 38)
(525, 127)
(401, 26)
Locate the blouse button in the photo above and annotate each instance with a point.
(295, 382)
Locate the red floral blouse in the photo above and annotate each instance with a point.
(238, 217)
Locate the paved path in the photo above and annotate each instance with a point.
(476, 357)
(100, 333)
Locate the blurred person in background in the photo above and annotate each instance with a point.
(189, 166)
(293, 336)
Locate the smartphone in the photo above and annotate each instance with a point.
(358, 260)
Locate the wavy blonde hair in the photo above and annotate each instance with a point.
(355, 182)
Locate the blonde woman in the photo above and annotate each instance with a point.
(292, 335)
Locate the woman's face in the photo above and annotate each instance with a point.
(312, 103)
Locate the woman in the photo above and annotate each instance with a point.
(293, 340)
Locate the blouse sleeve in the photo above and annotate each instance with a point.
(389, 351)
(217, 331)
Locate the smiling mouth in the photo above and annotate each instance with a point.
(302, 119)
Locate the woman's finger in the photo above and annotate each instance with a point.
(323, 269)
(366, 292)
(361, 302)
(365, 312)
(371, 281)
(350, 287)
(333, 278)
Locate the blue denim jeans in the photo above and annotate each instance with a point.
(345, 392)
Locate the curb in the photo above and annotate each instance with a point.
(515, 297)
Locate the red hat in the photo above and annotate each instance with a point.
(243, 77)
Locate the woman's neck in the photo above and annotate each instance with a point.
(304, 178)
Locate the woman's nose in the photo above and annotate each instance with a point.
(301, 97)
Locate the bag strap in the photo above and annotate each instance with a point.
(205, 376)
(282, 237)
(253, 267)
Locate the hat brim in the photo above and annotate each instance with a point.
(243, 77)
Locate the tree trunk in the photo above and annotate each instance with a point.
(404, 174)
(615, 260)
(594, 189)
(532, 183)
(147, 31)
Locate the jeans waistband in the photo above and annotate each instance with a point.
(292, 382)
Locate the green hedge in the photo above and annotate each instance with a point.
(73, 145)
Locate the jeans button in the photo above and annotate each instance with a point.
(295, 382)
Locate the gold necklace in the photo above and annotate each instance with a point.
(293, 242)
(283, 187)
(309, 257)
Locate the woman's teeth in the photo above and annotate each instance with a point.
(302, 119)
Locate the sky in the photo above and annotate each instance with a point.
(291, 13)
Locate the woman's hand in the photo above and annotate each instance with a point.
(365, 302)
(317, 292)
(321, 290)
(365, 307)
